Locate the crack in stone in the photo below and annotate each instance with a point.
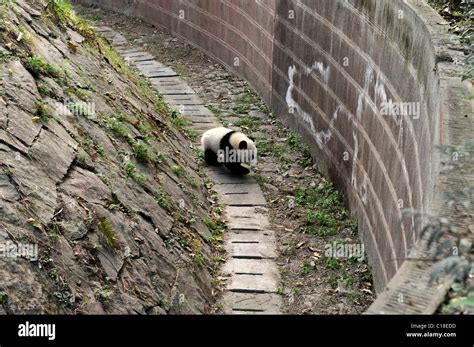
(7, 171)
(69, 170)
(38, 135)
(12, 147)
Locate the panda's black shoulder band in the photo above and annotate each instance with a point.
(225, 141)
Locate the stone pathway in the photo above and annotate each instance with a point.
(253, 277)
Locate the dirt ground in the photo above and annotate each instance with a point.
(307, 212)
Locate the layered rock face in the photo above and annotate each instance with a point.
(102, 209)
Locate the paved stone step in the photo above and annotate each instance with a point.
(137, 57)
(153, 69)
(150, 63)
(119, 40)
(246, 218)
(155, 72)
(238, 303)
(135, 53)
(240, 223)
(201, 120)
(259, 250)
(196, 111)
(252, 198)
(221, 176)
(243, 235)
(114, 37)
(171, 86)
(253, 284)
(250, 266)
(202, 127)
(246, 211)
(226, 189)
(102, 29)
(182, 100)
(126, 49)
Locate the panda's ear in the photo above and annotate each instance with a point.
(243, 145)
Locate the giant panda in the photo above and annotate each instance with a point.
(230, 148)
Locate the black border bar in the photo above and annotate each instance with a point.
(221, 330)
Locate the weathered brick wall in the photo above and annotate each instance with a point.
(328, 67)
(238, 33)
(335, 66)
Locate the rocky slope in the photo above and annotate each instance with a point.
(96, 172)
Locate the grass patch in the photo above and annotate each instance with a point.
(217, 230)
(245, 102)
(307, 268)
(214, 109)
(144, 128)
(143, 152)
(332, 281)
(332, 263)
(164, 201)
(242, 108)
(249, 99)
(354, 297)
(125, 117)
(43, 112)
(264, 147)
(178, 170)
(103, 295)
(182, 70)
(108, 233)
(88, 145)
(3, 297)
(191, 133)
(249, 122)
(133, 173)
(118, 127)
(5, 56)
(93, 17)
(181, 173)
(325, 213)
(198, 260)
(39, 67)
(64, 13)
(178, 119)
(296, 143)
(319, 231)
(218, 113)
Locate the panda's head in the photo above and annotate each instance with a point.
(244, 147)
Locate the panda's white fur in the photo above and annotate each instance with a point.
(216, 141)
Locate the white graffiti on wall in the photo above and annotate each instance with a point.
(324, 136)
(293, 105)
(321, 137)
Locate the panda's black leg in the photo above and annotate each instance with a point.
(237, 169)
(211, 158)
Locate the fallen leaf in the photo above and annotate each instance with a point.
(301, 244)
(72, 46)
(367, 291)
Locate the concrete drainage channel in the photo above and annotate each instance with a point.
(253, 276)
